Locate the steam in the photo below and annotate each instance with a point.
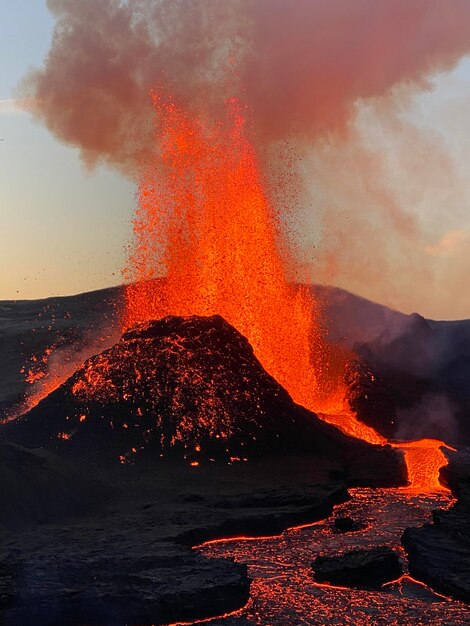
(433, 416)
(300, 66)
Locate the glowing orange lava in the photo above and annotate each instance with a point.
(204, 222)
(424, 459)
(43, 381)
(348, 423)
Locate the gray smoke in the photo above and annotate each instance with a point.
(299, 65)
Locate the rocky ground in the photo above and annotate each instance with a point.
(90, 545)
(88, 540)
(127, 559)
(189, 388)
(38, 487)
(152, 436)
(361, 568)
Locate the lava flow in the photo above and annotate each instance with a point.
(207, 241)
(424, 459)
(43, 380)
(284, 591)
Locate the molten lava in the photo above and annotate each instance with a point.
(207, 241)
(424, 459)
(205, 222)
(43, 381)
(350, 425)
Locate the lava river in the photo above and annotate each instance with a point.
(284, 591)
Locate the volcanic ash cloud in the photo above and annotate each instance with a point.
(300, 66)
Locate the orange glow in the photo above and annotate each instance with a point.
(348, 423)
(205, 223)
(43, 381)
(47, 385)
(424, 459)
(407, 578)
(207, 241)
(208, 620)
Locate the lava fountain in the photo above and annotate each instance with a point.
(204, 222)
(208, 241)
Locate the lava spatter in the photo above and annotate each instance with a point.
(205, 223)
(189, 389)
(207, 241)
(424, 459)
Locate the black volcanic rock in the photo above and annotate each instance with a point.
(267, 512)
(77, 326)
(364, 569)
(439, 553)
(37, 487)
(413, 383)
(130, 562)
(410, 358)
(188, 388)
(166, 584)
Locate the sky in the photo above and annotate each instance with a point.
(63, 228)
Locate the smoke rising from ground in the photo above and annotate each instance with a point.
(391, 205)
(435, 413)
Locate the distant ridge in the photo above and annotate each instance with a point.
(421, 367)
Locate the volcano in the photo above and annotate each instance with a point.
(189, 388)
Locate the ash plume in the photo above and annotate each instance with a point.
(326, 83)
(300, 66)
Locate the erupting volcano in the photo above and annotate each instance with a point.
(208, 241)
(189, 388)
(205, 222)
(253, 384)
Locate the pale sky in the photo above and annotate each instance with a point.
(63, 229)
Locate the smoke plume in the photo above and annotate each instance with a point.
(300, 66)
(434, 415)
(329, 79)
